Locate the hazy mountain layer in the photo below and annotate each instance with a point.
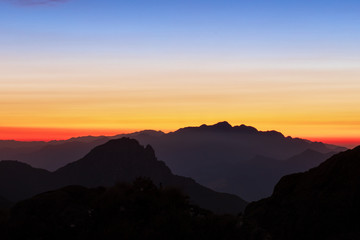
(239, 160)
(120, 160)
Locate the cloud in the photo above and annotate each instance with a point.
(36, 2)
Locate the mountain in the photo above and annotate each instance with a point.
(120, 160)
(19, 180)
(224, 158)
(223, 143)
(10, 149)
(221, 157)
(4, 203)
(322, 203)
(305, 161)
(70, 150)
(138, 210)
(256, 178)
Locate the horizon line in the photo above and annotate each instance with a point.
(38, 134)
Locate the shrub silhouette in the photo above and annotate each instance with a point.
(139, 210)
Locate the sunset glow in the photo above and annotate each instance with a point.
(66, 72)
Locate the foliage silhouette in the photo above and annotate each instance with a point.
(139, 210)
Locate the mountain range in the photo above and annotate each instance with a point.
(119, 160)
(318, 198)
(320, 203)
(236, 159)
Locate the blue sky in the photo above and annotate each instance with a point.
(229, 29)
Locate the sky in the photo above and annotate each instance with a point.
(80, 67)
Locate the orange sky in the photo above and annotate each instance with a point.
(314, 103)
(71, 68)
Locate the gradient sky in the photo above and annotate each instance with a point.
(108, 66)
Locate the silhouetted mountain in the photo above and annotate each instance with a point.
(127, 211)
(257, 177)
(49, 155)
(305, 160)
(144, 133)
(84, 139)
(10, 149)
(4, 203)
(263, 173)
(19, 180)
(20, 144)
(217, 156)
(70, 150)
(124, 159)
(120, 160)
(322, 203)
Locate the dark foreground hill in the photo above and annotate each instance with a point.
(323, 203)
(4, 203)
(139, 210)
(120, 160)
(19, 181)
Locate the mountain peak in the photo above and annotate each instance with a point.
(124, 159)
(246, 129)
(125, 150)
(123, 144)
(222, 125)
(218, 126)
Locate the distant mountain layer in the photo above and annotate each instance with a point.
(120, 160)
(220, 156)
(322, 203)
(256, 178)
(49, 155)
(224, 158)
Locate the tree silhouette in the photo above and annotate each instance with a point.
(139, 210)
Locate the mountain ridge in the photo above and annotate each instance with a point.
(119, 160)
(321, 203)
(207, 153)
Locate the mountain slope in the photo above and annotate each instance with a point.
(322, 203)
(217, 156)
(220, 157)
(120, 160)
(4, 203)
(305, 161)
(19, 180)
(124, 159)
(117, 160)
